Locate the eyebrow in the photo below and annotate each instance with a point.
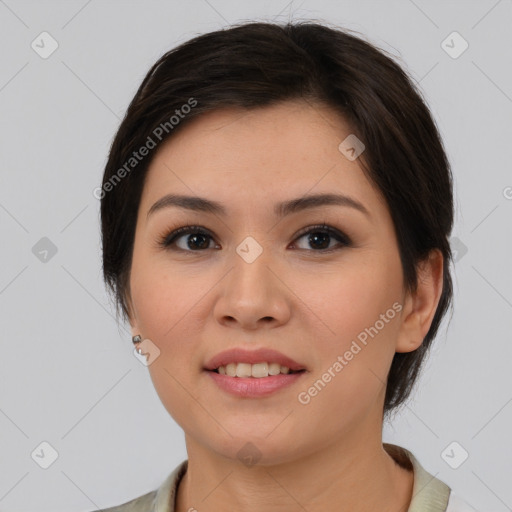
(200, 204)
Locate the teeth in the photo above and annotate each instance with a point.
(231, 369)
(274, 369)
(257, 370)
(243, 370)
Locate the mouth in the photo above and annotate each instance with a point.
(239, 362)
(253, 373)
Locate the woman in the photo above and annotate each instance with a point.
(276, 210)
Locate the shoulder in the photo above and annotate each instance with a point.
(161, 499)
(143, 503)
(457, 504)
(429, 493)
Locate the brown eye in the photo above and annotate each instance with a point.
(320, 237)
(196, 239)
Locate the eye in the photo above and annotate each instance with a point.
(200, 239)
(321, 235)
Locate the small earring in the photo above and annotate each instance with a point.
(137, 339)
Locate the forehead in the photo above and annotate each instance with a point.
(269, 154)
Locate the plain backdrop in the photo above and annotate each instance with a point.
(68, 376)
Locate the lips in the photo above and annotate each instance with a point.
(239, 355)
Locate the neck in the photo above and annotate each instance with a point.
(354, 474)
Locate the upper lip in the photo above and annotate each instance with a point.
(262, 355)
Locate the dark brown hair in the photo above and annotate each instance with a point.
(252, 65)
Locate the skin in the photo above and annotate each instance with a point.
(295, 297)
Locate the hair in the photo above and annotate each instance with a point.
(258, 64)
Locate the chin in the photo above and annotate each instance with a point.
(252, 448)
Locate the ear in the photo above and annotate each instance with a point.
(131, 317)
(134, 328)
(420, 306)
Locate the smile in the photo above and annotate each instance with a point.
(258, 370)
(254, 387)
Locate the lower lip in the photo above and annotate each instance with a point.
(251, 387)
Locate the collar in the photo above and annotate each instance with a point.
(429, 494)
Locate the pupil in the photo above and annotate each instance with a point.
(315, 236)
(195, 237)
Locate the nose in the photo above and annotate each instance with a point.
(253, 294)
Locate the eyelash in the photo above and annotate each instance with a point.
(169, 238)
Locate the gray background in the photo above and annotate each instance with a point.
(67, 372)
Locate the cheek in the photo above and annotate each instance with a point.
(351, 298)
(159, 296)
(359, 313)
(169, 308)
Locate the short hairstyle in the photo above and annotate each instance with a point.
(257, 64)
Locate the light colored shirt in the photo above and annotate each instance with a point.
(429, 494)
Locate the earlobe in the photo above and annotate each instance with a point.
(131, 315)
(134, 329)
(134, 326)
(420, 306)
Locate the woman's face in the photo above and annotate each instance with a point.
(260, 277)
